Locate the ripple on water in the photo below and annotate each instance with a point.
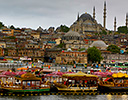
(67, 97)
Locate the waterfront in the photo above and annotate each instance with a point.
(67, 97)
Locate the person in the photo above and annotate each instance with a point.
(49, 66)
(64, 82)
(85, 66)
(74, 66)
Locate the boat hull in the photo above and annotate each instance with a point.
(77, 89)
(26, 90)
(105, 89)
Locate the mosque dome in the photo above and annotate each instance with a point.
(99, 44)
(72, 33)
(86, 16)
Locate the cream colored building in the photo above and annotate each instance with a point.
(73, 40)
(71, 57)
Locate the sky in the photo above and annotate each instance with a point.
(53, 13)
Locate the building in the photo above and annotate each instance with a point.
(109, 58)
(71, 57)
(86, 24)
(73, 40)
(9, 32)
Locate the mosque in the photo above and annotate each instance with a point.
(86, 24)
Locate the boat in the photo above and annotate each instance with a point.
(117, 83)
(77, 82)
(27, 83)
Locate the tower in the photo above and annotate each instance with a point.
(115, 24)
(77, 22)
(94, 12)
(104, 15)
(78, 17)
(126, 20)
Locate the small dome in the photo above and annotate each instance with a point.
(72, 33)
(98, 44)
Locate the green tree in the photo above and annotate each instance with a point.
(1, 25)
(64, 28)
(113, 49)
(123, 29)
(103, 32)
(61, 45)
(110, 32)
(12, 27)
(94, 55)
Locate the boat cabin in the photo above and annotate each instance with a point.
(29, 81)
(78, 82)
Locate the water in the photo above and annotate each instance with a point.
(67, 97)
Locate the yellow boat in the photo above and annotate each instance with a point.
(77, 82)
(118, 82)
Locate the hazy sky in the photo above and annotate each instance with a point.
(47, 13)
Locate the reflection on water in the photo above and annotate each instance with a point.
(109, 97)
(119, 97)
(67, 97)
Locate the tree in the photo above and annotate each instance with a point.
(64, 28)
(113, 49)
(103, 32)
(12, 27)
(1, 25)
(123, 29)
(94, 55)
(110, 32)
(61, 45)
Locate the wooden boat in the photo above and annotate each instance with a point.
(27, 83)
(117, 83)
(77, 82)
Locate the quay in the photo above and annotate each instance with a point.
(64, 93)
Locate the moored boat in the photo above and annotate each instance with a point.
(77, 82)
(117, 83)
(27, 83)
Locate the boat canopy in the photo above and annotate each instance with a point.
(120, 75)
(79, 74)
(29, 77)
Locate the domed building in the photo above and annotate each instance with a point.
(99, 44)
(86, 24)
(73, 40)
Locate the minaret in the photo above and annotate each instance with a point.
(127, 19)
(78, 17)
(104, 15)
(94, 12)
(77, 22)
(115, 24)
